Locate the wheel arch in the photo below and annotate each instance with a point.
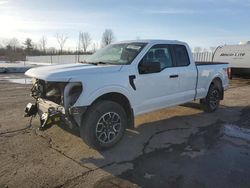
(121, 100)
(217, 81)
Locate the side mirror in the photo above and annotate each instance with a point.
(149, 67)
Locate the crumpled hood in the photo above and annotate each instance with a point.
(66, 72)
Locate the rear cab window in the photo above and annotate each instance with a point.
(181, 55)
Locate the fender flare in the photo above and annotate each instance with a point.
(90, 98)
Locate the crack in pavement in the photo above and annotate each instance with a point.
(121, 162)
(84, 174)
(2, 134)
(204, 140)
(50, 142)
(145, 145)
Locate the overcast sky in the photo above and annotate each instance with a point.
(202, 23)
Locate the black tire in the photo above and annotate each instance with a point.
(212, 100)
(103, 125)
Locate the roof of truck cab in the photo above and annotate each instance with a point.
(154, 41)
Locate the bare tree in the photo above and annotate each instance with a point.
(94, 47)
(107, 37)
(61, 39)
(197, 49)
(12, 50)
(36, 46)
(43, 43)
(85, 40)
(12, 43)
(78, 47)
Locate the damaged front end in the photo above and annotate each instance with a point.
(55, 103)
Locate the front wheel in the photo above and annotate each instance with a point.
(103, 125)
(212, 100)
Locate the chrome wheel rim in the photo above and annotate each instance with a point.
(214, 99)
(108, 127)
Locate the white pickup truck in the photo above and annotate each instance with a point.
(102, 96)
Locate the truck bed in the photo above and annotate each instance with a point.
(206, 72)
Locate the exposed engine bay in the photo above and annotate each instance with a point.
(55, 102)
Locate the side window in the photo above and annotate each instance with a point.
(159, 53)
(181, 55)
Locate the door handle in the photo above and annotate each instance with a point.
(173, 76)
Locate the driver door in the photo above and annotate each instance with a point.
(159, 89)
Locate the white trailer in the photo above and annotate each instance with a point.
(238, 57)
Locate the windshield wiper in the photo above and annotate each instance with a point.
(99, 63)
(92, 63)
(102, 63)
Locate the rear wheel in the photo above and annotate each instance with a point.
(212, 100)
(103, 125)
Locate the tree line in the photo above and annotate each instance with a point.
(14, 50)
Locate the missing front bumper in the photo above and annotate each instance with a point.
(51, 113)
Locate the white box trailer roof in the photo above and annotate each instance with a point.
(238, 56)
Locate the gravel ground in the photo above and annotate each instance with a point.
(175, 147)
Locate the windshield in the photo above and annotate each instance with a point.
(123, 53)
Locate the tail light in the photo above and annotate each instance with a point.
(229, 73)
